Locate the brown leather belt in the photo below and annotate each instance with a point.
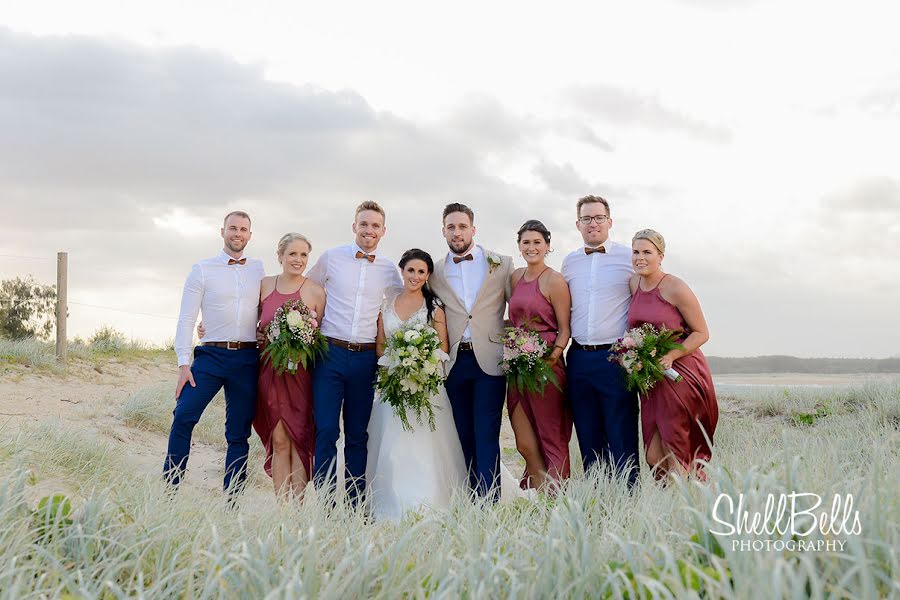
(351, 346)
(231, 345)
(465, 347)
(590, 348)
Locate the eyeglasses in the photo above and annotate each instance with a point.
(600, 219)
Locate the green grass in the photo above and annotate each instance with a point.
(124, 537)
(41, 355)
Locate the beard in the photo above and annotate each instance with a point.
(460, 247)
(235, 246)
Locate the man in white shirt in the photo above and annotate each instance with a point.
(225, 288)
(474, 285)
(604, 411)
(355, 279)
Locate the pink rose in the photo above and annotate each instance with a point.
(528, 347)
(313, 322)
(628, 342)
(313, 314)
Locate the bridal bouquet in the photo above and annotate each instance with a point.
(294, 338)
(412, 373)
(639, 351)
(523, 360)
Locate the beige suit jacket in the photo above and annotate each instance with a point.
(486, 318)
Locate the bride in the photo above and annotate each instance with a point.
(408, 470)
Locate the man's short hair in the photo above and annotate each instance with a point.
(591, 200)
(236, 213)
(457, 207)
(370, 205)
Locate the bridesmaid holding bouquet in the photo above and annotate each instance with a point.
(540, 302)
(284, 404)
(678, 418)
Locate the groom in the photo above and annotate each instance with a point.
(355, 279)
(473, 284)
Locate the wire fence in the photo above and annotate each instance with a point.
(78, 316)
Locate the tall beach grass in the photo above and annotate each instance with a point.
(124, 536)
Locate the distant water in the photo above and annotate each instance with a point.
(731, 384)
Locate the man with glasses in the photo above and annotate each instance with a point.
(604, 411)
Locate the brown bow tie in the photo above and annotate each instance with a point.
(459, 259)
(368, 257)
(231, 261)
(599, 249)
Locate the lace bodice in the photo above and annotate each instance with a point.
(392, 322)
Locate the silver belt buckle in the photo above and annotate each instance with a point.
(228, 345)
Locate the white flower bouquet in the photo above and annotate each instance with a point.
(412, 372)
(293, 338)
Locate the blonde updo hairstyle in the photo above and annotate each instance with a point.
(288, 238)
(653, 237)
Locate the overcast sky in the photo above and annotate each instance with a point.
(761, 138)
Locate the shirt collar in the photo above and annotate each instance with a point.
(225, 257)
(608, 244)
(354, 248)
(476, 252)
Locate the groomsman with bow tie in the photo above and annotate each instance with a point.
(355, 278)
(474, 285)
(604, 411)
(225, 288)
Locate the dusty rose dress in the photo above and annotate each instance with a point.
(548, 413)
(681, 411)
(286, 397)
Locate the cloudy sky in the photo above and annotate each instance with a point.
(762, 138)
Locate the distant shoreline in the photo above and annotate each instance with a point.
(757, 365)
(745, 380)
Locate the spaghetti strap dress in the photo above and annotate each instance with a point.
(286, 397)
(548, 412)
(686, 412)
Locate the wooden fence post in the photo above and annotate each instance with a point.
(62, 309)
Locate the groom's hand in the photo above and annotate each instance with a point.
(184, 376)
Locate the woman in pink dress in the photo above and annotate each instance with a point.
(678, 419)
(284, 404)
(540, 301)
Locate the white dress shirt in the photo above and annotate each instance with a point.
(355, 289)
(466, 278)
(228, 297)
(598, 284)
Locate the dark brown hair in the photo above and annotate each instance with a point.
(534, 225)
(457, 207)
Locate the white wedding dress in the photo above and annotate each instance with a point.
(409, 470)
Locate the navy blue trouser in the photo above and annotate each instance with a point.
(214, 368)
(477, 402)
(343, 379)
(604, 411)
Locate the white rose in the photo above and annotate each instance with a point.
(411, 336)
(294, 318)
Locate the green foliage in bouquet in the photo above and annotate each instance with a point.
(639, 351)
(411, 373)
(524, 354)
(294, 338)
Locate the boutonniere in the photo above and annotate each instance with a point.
(494, 261)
